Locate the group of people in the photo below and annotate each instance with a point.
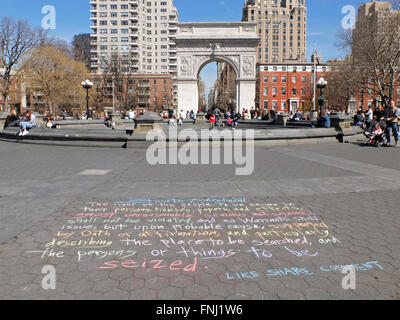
(25, 122)
(379, 123)
(224, 118)
(178, 121)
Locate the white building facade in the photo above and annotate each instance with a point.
(141, 32)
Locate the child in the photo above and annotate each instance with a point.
(376, 133)
(212, 121)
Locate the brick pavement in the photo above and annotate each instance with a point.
(342, 185)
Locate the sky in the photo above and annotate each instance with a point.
(72, 17)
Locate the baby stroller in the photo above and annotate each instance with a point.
(377, 140)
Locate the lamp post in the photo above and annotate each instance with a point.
(87, 85)
(321, 85)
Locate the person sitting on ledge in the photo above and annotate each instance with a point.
(324, 121)
(12, 119)
(235, 121)
(49, 125)
(228, 122)
(30, 123)
(359, 118)
(297, 116)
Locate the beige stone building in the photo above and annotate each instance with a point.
(282, 26)
(225, 86)
(373, 14)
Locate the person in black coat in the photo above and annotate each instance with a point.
(12, 120)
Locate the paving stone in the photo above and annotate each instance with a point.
(341, 294)
(131, 284)
(195, 291)
(156, 283)
(78, 286)
(166, 273)
(143, 294)
(296, 283)
(25, 291)
(89, 295)
(239, 296)
(205, 279)
(116, 294)
(317, 294)
(249, 289)
(291, 294)
(74, 276)
(222, 290)
(182, 281)
(143, 274)
(387, 289)
(5, 289)
(121, 274)
(318, 282)
(105, 285)
(170, 293)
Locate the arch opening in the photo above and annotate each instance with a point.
(217, 85)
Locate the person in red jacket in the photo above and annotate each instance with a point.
(212, 121)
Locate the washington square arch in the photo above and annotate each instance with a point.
(200, 43)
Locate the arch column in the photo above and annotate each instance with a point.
(188, 96)
(246, 89)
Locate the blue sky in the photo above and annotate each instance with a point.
(324, 18)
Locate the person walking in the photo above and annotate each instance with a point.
(131, 115)
(391, 116)
(193, 116)
(369, 116)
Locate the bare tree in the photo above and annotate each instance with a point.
(117, 72)
(375, 54)
(341, 85)
(17, 38)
